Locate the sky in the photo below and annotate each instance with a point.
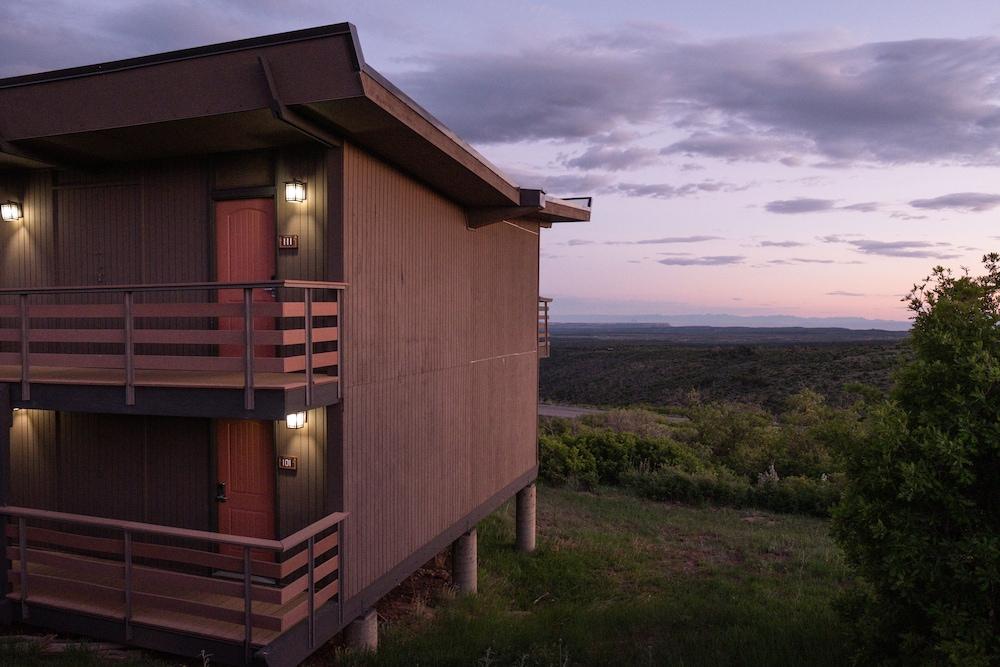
(810, 159)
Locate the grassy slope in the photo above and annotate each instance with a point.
(626, 581)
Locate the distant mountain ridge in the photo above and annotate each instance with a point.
(724, 320)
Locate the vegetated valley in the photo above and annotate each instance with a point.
(686, 524)
(656, 365)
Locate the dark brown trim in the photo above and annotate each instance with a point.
(291, 117)
(186, 54)
(172, 402)
(335, 241)
(262, 192)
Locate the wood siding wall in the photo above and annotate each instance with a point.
(304, 219)
(440, 366)
(152, 469)
(302, 492)
(151, 223)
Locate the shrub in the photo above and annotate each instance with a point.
(602, 456)
(793, 494)
(920, 518)
(562, 463)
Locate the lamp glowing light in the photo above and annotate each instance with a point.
(10, 211)
(296, 420)
(295, 191)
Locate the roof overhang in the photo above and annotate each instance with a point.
(533, 206)
(307, 85)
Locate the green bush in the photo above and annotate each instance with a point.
(920, 518)
(800, 495)
(602, 456)
(696, 488)
(562, 463)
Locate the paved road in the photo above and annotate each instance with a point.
(565, 411)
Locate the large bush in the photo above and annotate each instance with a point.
(592, 456)
(920, 518)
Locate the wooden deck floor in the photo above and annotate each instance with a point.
(151, 378)
(103, 597)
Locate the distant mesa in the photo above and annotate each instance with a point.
(725, 320)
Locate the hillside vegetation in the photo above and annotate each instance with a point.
(645, 368)
(717, 453)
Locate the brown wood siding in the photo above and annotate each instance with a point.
(151, 469)
(304, 219)
(440, 370)
(34, 456)
(302, 492)
(27, 246)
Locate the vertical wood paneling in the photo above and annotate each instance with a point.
(305, 219)
(302, 492)
(440, 367)
(27, 246)
(175, 228)
(33, 459)
(151, 469)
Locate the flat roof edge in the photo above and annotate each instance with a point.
(332, 30)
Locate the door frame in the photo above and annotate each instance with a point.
(217, 197)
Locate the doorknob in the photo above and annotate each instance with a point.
(220, 493)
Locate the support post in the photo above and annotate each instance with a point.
(362, 633)
(525, 520)
(465, 563)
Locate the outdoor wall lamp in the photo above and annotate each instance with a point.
(295, 190)
(296, 420)
(10, 211)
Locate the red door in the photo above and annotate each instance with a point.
(245, 252)
(246, 480)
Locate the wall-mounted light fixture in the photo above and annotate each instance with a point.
(10, 211)
(296, 420)
(295, 190)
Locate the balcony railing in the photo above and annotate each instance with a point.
(274, 334)
(224, 587)
(544, 339)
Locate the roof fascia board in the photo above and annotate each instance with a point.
(336, 29)
(212, 84)
(400, 106)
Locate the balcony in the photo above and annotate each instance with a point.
(544, 339)
(146, 584)
(236, 350)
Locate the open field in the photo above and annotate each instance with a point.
(621, 365)
(618, 580)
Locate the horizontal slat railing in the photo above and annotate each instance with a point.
(544, 338)
(204, 590)
(237, 331)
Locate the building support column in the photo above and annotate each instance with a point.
(526, 519)
(465, 563)
(362, 633)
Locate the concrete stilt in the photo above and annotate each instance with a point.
(362, 633)
(465, 563)
(526, 519)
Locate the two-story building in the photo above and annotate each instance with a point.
(269, 341)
